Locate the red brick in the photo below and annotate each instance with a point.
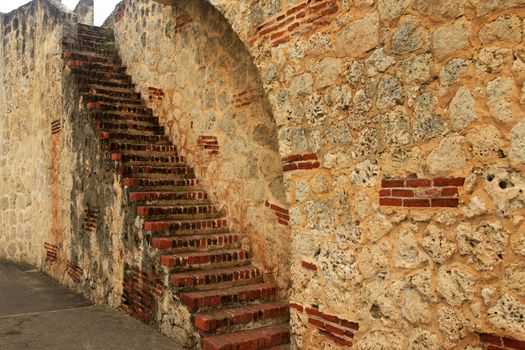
(333, 319)
(392, 183)
(493, 347)
(289, 167)
(309, 156)
(418, 183)
(309, 266)
(453, 181)
(449, 191)
(402, 193)
(314, 312)
(395, 202)
(490, 339)
(445, 202)
(317, 323)
(296, 307)
(305, 165)
(514, 344)
(384, 193)
(351, 325)
(416, 203)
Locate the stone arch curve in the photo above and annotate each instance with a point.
(204, 85)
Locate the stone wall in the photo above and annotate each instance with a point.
(415, 102)
(201, 81)
(30, 100)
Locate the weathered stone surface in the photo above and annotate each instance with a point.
(373, 259)
(409, 35)
(359, 37)
(454, 37)
(487, 6)
(485, 141)
(365, 174)
(422, 282)
(492, 59)
(413, 308)
(452, 72)
(507, 315)
(453, 325)
(390, 92)
(407, 253)
(380, 340)
(506, 188)
(500, 97)
(380, 60)
(436, 244)
(504, 28)
(517, 150)
(484, 245)
(328, 71)
(449, 155)
(462, 109)
(396, 127)
(514, 278)
(419, 68)
(390, 9)
(422, 339)
(440, 9)
(456, 285)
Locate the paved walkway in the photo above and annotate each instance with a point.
(36, 313)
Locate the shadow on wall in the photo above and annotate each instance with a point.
(202, 82)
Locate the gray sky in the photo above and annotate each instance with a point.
(102, 7)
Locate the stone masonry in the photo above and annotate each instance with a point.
(305, 174)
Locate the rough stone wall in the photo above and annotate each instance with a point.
(368, 96)
(85, 11)
(31, 73)
(202, 83)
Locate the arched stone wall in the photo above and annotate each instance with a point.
(401, 131)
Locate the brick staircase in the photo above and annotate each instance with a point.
(231, 306)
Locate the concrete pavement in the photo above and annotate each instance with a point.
(37, 313)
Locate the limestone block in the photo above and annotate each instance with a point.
(407, 253)
(367, 143)
(485, 141)
(452, 72)
(355, 73)
(492, 59)
(449, 155)
(517, 151)
(409, 35)
(518, 243)
(328, 70)
(487, 6)
(422, 339)
(455, 284)
(440, 9)
(514, 278)
(390, 9)
(396, 127)
(504, 28)
(507, 315)
(451, 38)
(373, 259)
(377, 226)
(501, 94)
(436, 244)
(506, 189)
(380, 340)
(302, 85)
(462, 109)
(338, 266)
(453, 325)
(359, 37)
(380, 60)
(413, 308)
(475, 207)
(390, 93)
(484, 246)
(319, 184)
(419, 68)
(365, 174)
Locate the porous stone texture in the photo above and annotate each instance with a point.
(375, 89)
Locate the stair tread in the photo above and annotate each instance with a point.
(259, 338)
(232, 311)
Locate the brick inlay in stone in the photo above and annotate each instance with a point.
(90, 220)
(51, 252)
(74, 272)
(209, 143)
(305, 161)
(281, 214)
(247, 97)
(56, 126)
(421, 193)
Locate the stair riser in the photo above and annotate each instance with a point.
(108, 117)
(216, 281)
(239, 322)
(208, 261)
(104, 107)
(182, 210)
(159, 226)
(152, 196)
(192, 244)
(138, 170)
(140, 148)
(114, 100)
(130, 127)
(81, 57)
(261, 341)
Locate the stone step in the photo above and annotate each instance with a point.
(91, 35)
(122, 117)
(160, 211)
(135, 137)
(142, 147)
(200, 242)
(233, 318)
(117, 107)
(213, 299)
(101, 75)
(158, 183)
(219, 278)
(89, 80)
(130, 126)
(89, 51)
(91, 57)
(154, 197)
(86, 28)
(112, 99)
(205, 260)
(96, 45)
(260, 338)
(149, 159)
(174, 226)
(148, 170)
(104, 91)
(108, 67)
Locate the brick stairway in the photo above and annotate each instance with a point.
(231, 306)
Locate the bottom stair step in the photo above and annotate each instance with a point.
(213, 320)
(260, 338)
